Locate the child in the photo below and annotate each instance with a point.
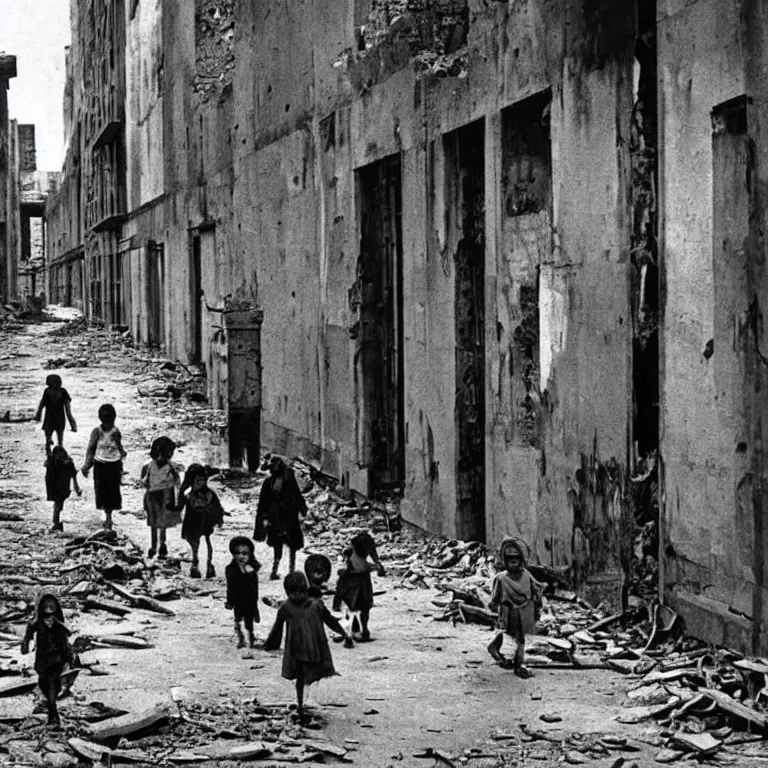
(317, 569)
(105, 454)
(355, 588)
(56, 402)
(53, 653)
(203, 512)
(307, 656)
(161, 480)
(516, 597)
(60, 473)
(243, 587)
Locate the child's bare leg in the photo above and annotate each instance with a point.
(249, 628)
(194, 570)
(163, 550)
(210, 571)
(60, 436)
(108, 519)
(278, 550)
(519, 658)
(291, 560)
(494, 648)
(239, 633)
(152, 542)
(300, 696)
(57, 508)
(48, 442)
(364, 616)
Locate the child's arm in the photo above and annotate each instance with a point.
(28, 635)
(230, 593)
(70, 417)
(119, 443)
(275, 637)
(495, 601)
(39, 411)
(74, 481)
(217, 511)
(333, 623)
(90, 451)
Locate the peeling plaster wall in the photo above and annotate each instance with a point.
(297, 200)
(703, 418)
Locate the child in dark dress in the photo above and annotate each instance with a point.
(53, 652)
(354, 588)
(307, 655)
(317, 569)
(203, 512)
(60, 473)
(243, 588)
(56, 403)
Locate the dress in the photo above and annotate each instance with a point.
(515, 601)
(54, 401)
(52, 646)
(202, 512)
(281, 508)
(161, 483)
(58, 479)
(105, 454)
(354, 587)
(307, 653)
(243, 592)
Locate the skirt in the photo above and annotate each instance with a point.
(310, 671)
(517, 621)
(355, 590)
(107, 476)
(156, 505)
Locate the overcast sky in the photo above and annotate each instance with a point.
(36, 31)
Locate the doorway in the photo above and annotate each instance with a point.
(465, 223)
(196, 301)
(381, 322)
(156, 292)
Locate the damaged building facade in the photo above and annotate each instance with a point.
(488, 239)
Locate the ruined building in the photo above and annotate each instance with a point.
(7, 73)
(509, 255)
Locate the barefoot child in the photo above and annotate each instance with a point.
(60, 473)
(56, 403)
(243, 588)
(161, 481)
(516, 597)
(307, 655)
(202, 513)
(105, 454)
(53, 652)
(355, 588)
(317, 569)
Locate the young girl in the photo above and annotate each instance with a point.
(317, 569)
(105, 454)
(53, 652)
(517, 598)
(203, 512)
(161, 480)
(277, 516)
(243, 588)
(307, 656)
(56, 402)
(60, 473)
(355, 588)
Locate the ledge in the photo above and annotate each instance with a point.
(109, 222)
(107, 134)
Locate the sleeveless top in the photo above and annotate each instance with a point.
(107, 451)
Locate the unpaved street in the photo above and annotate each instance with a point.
(421, 684)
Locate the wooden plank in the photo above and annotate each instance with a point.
(250, 751)
(725, 702)
(699, 742)
(87, 749)
(124, 641)
(93, 604)
(127, 724)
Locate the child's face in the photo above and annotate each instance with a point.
(513, 561)
(48, 607)
(316, 578)
(198, 483)
(242, 554)
(108, 421)
(298, 595)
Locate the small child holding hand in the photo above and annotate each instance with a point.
(203, 512)
(60, 474)
(56, 404)
(161, 479)
(517, 598)
(243, 588)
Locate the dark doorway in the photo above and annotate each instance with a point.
(381, 322)
(465, 220)
(156, 292)
(195, 301)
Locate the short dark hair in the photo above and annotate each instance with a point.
(162, 445)
(241, 541)
(295, 581)
(53, 380)
(107, 411)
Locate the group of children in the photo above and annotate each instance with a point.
(303, 615)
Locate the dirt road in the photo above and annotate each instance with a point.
(419, 685)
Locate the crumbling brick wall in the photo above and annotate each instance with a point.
(214, 47)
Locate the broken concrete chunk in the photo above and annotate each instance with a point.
(87, 749)
(250, 751)
(699, 742)
(130, 723)
(123, 641)
(668, 756)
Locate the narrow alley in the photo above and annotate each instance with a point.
(421, 685)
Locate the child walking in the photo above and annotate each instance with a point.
(161, 480)
(203, 513)
(243, 588)
(355, 588)
(56, 403)
(317, 569)
(60, 474)
(53, 652)
(517, 598)
(105, 454)
(307, 655)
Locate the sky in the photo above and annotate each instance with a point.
(36, 31)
